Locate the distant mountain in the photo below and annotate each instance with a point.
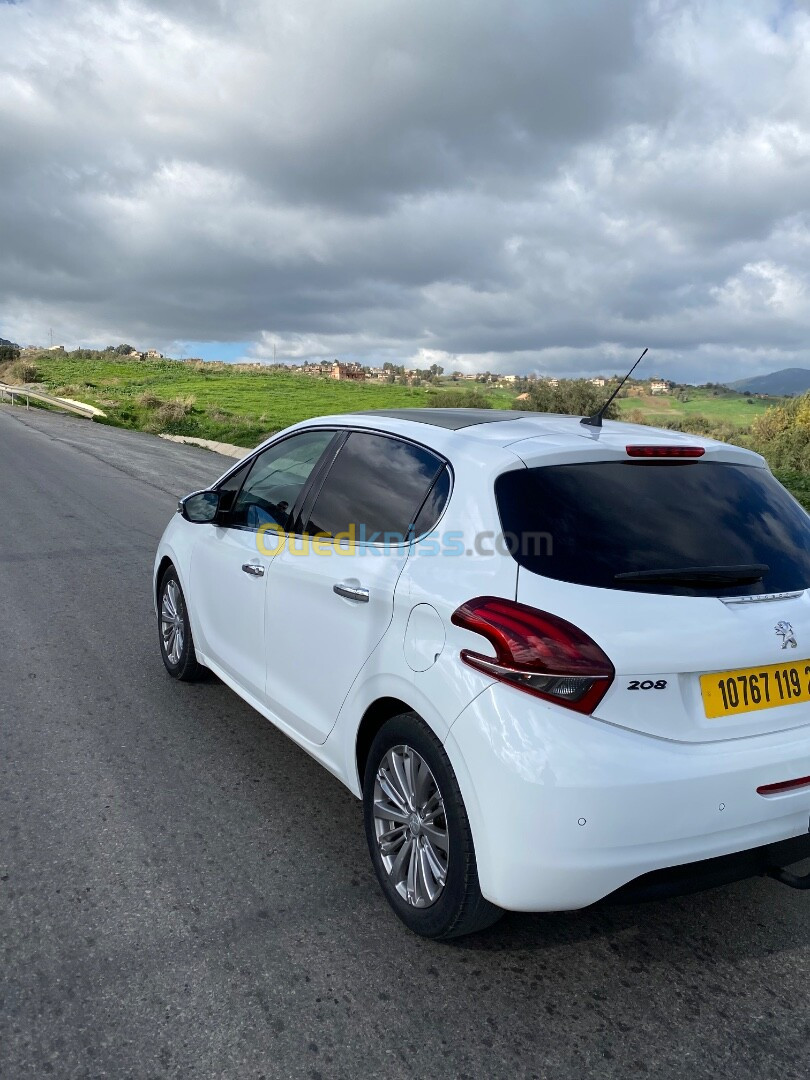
(790, 380)
(5, 341)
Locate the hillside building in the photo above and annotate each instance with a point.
(346, 371)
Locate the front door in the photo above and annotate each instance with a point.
(228, 583)
(230, 563)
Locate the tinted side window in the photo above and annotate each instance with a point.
(377, 485)
(276, 479)
(434, 504)
(229, 488)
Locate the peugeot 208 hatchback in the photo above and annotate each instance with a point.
(555, 661)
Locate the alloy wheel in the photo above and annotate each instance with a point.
(411, 826)
(172, 622)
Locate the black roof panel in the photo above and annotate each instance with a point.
(453, 419)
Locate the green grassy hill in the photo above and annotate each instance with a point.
(717, 405)
(238, 404)
(231, 402)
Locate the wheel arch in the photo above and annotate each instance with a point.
(377, 713)
(370, 703)
(163, 566)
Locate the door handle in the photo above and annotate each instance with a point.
(351, 592)
(253, 569)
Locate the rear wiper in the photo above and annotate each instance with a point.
(699, 576)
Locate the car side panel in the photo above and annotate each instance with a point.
(439, 575)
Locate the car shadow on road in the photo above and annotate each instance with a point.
(736, 921)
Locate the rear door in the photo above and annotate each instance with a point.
(675, 643)
(330, 594)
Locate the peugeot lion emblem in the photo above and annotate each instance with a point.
(785, 631)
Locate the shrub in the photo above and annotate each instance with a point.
(636, 416)
(22, 371)
(782, 435)
(573, 397)
(172, 416)
(458, 399)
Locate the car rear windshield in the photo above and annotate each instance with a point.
(588, 523)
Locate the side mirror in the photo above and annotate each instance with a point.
(200, 508)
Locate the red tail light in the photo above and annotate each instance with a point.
(536, 652)
(665, 451)
(785, 785)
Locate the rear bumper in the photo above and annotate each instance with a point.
(709, 873)
(566, 810)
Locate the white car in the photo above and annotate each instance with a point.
(557, 662)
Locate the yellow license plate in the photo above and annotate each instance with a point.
(726, 693)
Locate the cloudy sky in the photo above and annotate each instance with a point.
(521, 185)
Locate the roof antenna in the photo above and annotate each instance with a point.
(596, 419)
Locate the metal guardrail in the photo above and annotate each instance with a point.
(88, 411)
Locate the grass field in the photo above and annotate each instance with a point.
(228, 400)
(229, 403)
(217, 401)
(728, 407)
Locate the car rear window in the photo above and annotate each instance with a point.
(586, 523)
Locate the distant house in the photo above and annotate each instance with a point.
(153, 354)
(598, 381)
(509, 378)
(134, 355)
(346, 371)
(55, 348)
(660, 386)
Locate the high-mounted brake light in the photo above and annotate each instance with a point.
(665, 451)
(536, 652)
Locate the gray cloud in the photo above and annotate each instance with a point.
(513, 187)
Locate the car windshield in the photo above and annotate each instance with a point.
(697, 528)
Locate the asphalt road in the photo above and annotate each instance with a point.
(184, 893)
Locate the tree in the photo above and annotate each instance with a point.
(9, 354)
(572, 397)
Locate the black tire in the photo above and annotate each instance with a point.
(459, 907)
(185, 666)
